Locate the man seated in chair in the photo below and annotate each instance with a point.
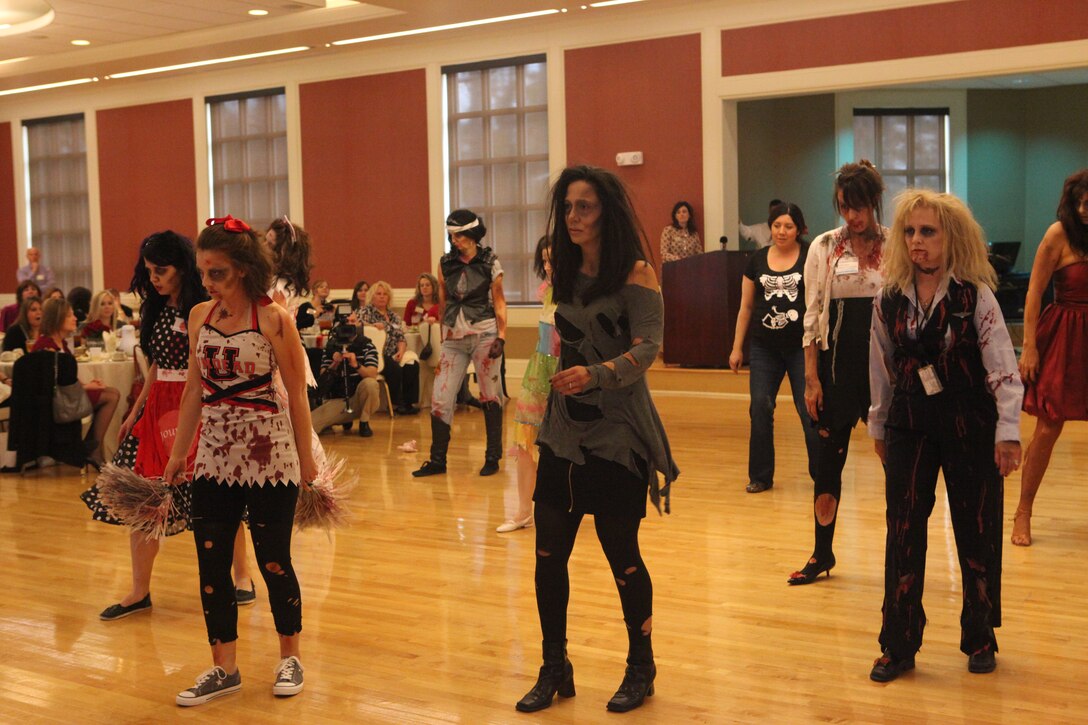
(348, 382)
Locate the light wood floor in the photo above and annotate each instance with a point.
(422, 613)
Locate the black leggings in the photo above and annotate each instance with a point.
(832, 446)
(556, 530)
(216, 515)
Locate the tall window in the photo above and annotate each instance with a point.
(909, 146)
(497, 126)
(55, 150)
(248, 139)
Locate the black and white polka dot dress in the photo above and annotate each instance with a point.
(156, 420)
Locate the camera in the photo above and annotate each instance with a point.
(343, 332)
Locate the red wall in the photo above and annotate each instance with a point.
(903, 33)
(364, 171)
(147, 179)
(642, 96)
(9, 246)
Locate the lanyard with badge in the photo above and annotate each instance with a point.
(927, 373)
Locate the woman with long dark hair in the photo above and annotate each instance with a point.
(167, 282)
(601, 442)
(842, 275)
(473, 309)
(1055, 352)
(249, 455)
(28, 326)
(290, 247)
(772, 305)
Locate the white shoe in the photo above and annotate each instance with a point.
(288, 677)
(512, 525)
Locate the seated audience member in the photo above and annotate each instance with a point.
(124, 312)
(759, 234)
(54, 294)
(358, 294)
(80, 300)
(317, 310)
(423, 307)
(59, 322)
(24, 333)
(35, 271)
(402, 376)
(102, 316)
(348, 372)
(23, 292)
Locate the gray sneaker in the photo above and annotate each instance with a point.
(211, 684)
(288, 677)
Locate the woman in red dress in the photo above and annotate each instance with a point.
(1055, 353)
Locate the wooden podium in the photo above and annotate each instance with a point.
(702, 297)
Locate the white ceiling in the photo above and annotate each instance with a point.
(128, 35)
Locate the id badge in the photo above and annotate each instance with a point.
(179, 324)
(847, 264)
(930, 381)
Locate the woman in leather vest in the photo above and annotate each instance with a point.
(473, 313)
(946, 396)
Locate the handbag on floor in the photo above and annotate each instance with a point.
(70, 402)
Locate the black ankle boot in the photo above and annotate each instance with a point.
(493, 425)
(440, 443)
(556, 676)
(637, 685)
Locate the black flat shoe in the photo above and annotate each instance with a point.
(246, 597)
(887, 667)
(490, 468)
(637, 685)
(118, 611)
(982, 661)
(429, 468)
(365, 430)
(758, 487)
(812, 570)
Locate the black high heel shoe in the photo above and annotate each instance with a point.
(556, 677)
(637, 685)
(812, 570)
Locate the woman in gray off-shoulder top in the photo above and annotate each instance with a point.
(601, 442)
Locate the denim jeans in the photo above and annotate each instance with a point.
(767, 367)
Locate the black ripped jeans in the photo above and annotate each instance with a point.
(216, 514)
(556, 529)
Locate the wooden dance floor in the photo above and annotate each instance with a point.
(421, 613)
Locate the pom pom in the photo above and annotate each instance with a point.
(145, 504)
(323, 504)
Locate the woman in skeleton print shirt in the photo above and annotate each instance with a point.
(773, 305)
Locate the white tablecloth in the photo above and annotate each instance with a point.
(114, 374)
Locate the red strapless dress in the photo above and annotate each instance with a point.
(1061, 389)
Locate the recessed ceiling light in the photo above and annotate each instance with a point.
(606, 3)
(258, 12)
(81, 42)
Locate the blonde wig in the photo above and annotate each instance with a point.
(966, 256)
(377, 286)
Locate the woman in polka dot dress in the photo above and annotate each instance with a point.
(168, 284)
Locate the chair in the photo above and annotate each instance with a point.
(32, 432)
(141, 362)
(378, 338)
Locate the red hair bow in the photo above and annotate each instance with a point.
(230, 224)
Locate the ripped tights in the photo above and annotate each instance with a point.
(216, 514)
(556, 530)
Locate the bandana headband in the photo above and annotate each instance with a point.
(464, 227)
